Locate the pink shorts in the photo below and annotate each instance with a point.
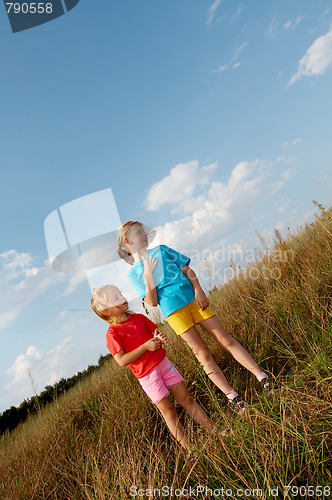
(157, 381)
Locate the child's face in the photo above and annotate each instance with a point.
(118, 303)
(137, 238)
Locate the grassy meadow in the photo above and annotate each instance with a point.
(103, 439)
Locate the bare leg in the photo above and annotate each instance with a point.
(182, 396)
(217, 331)
(168, 411)
(203, 354)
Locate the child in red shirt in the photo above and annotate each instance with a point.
(133, 339)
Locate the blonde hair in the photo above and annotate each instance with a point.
(101, 305)
(122, 233)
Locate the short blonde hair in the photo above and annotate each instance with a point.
(122, 233)
(101, 305)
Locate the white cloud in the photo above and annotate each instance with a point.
(74, 322)
(15, 262)
(288, 144)
(212, 10)
(22, 283)
(237, 13)
(239, 50)
(234, 58)
(316, 60)
(273, 28)
(34, 364)
(287, 174)
(33, 353)
(285, 204)
(62, 315)
(298, 20)
(290, 24)
(221, 208)
(6, 317)
(74, 281)
(220, 69)
(179, 185)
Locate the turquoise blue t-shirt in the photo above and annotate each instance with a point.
(173, 287)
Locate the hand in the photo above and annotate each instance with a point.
(160, 336)
(153, 344)
(201, 299)
(150, 264)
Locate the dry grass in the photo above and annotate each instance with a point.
(104, 435)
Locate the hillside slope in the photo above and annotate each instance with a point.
(104, 437)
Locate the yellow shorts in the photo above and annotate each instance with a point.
(188, 316)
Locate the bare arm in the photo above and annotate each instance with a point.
(151, 296)
(200, 297)
(124, 359)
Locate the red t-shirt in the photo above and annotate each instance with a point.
(129, 335)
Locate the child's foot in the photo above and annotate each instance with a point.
(224, 432)
(237, 405)
(269, 385)
(217, 431)
(192, 452)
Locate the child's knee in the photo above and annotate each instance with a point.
(169, 412)
(186, 401)
(229, 342)
(203, 355)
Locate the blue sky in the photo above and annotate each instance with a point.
(207, 119)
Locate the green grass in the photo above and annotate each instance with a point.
(104, 435)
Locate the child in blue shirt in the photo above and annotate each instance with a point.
(162, 276)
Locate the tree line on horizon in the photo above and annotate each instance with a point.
(15, 415)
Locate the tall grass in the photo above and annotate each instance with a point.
(104, 436)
